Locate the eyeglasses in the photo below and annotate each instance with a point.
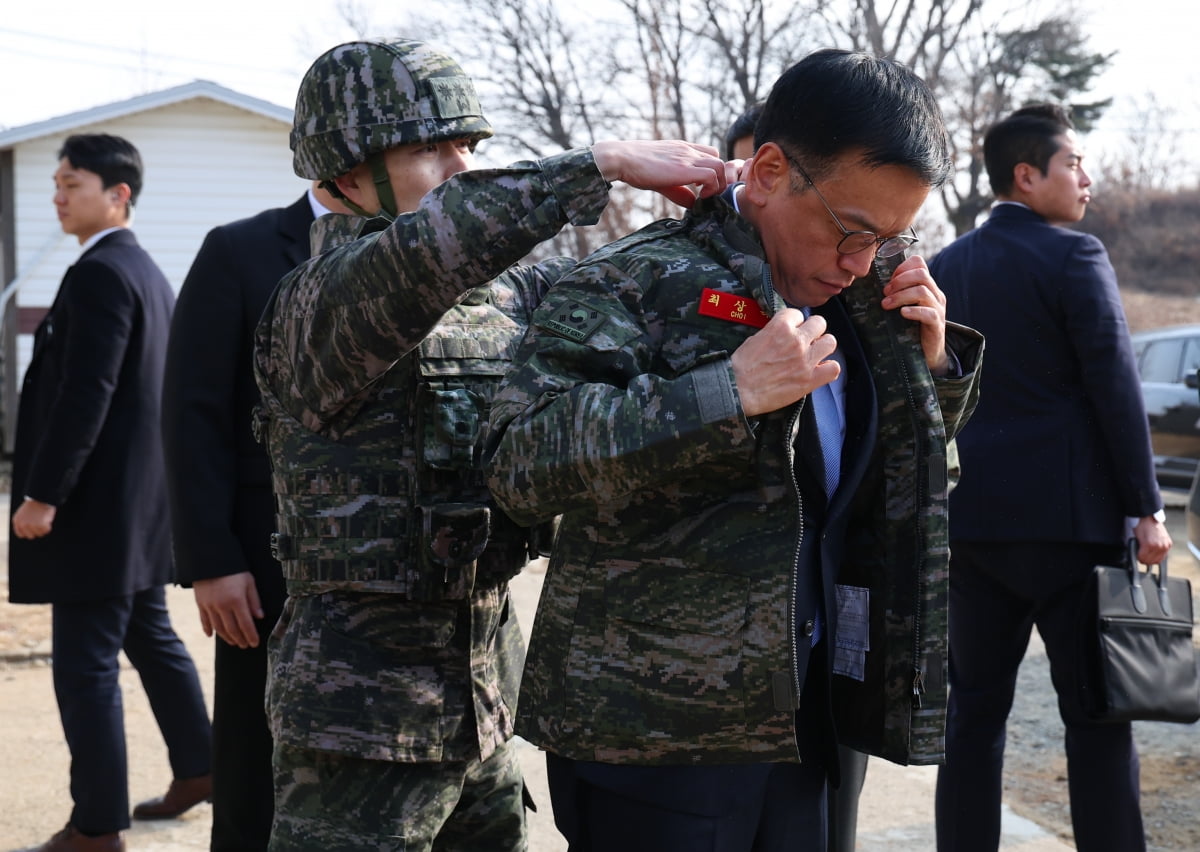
(852, 242)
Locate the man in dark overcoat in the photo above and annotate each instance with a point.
(91, 533)
(222, 506)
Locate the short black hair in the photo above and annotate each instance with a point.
(113, 158)
(833, 102)
(1030, 135)
(743, 125)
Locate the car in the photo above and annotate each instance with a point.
(1168, 360)
(1193, 517)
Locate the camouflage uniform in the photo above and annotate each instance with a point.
(664, 634)
(394, 668)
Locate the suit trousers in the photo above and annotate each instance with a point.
(87, 637)
(243, 782)
(843, 800)
(760, 807)
(998, 592)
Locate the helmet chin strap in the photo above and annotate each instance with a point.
(383, 190)
(383, 187)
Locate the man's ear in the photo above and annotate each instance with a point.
(768, 173)
(355, 184)
(1025, 177)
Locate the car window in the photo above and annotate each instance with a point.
(1191, 356)
(1160, 361)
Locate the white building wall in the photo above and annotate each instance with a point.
(205, 162)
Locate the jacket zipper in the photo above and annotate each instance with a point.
(776, 303)
(790, 455)
(918, 683)
(918, 678)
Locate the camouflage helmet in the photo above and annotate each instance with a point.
(364, 97)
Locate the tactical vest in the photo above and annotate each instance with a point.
(397, 502)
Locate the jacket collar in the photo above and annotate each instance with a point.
(294, 227)
(110, 237)
(728, 237)
(1013, 212)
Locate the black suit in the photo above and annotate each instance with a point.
(88, 443)
(1055, 457)
(220, 485)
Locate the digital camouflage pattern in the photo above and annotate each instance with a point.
(376, 361)
(360, 98)
(370, 805)
(664, 630)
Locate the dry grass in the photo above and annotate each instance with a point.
(1153, 310)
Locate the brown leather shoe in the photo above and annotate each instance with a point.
(71, 840)
(183, 794)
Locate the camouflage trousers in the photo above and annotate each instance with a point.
(334, 803)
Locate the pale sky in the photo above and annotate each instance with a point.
(59, 56)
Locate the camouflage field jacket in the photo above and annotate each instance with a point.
(664, 634)
(377, 360)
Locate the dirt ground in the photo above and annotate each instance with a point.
(24, 630)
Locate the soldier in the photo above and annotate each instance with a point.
(742, 418)
(395, 664)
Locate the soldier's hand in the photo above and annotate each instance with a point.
(228, 606)
(33, 519)
(783, 361)
(680, 171)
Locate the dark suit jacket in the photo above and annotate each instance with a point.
(1059, 447)
(220, 479)
(87, 437)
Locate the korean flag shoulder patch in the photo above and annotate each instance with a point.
(572, 321)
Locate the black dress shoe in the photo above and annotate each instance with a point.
(71, 839)
(182, 795)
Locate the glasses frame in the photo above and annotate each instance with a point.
(884, 246)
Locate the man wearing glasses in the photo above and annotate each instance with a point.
(742, 419)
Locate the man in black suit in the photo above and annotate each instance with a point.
(91, 534)
(222, 506)
(1056, 469)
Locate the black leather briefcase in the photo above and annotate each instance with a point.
(1138, 660)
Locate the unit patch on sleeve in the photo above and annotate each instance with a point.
(573, 321)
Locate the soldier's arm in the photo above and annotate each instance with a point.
(581, 420)
(352, 311)
(361, 306)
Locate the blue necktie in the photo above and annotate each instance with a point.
(830, 437)
(829, 434)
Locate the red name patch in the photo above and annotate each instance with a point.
(727, 306)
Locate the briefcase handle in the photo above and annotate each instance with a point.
(1135, 580)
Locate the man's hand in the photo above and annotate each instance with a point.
(783, 361)
(678, 170)
(229, 606)
(33, 519)
(1153, 540)
(913, 290)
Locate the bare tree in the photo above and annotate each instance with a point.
(551, 78)
(537, 70)
(1147, 157)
